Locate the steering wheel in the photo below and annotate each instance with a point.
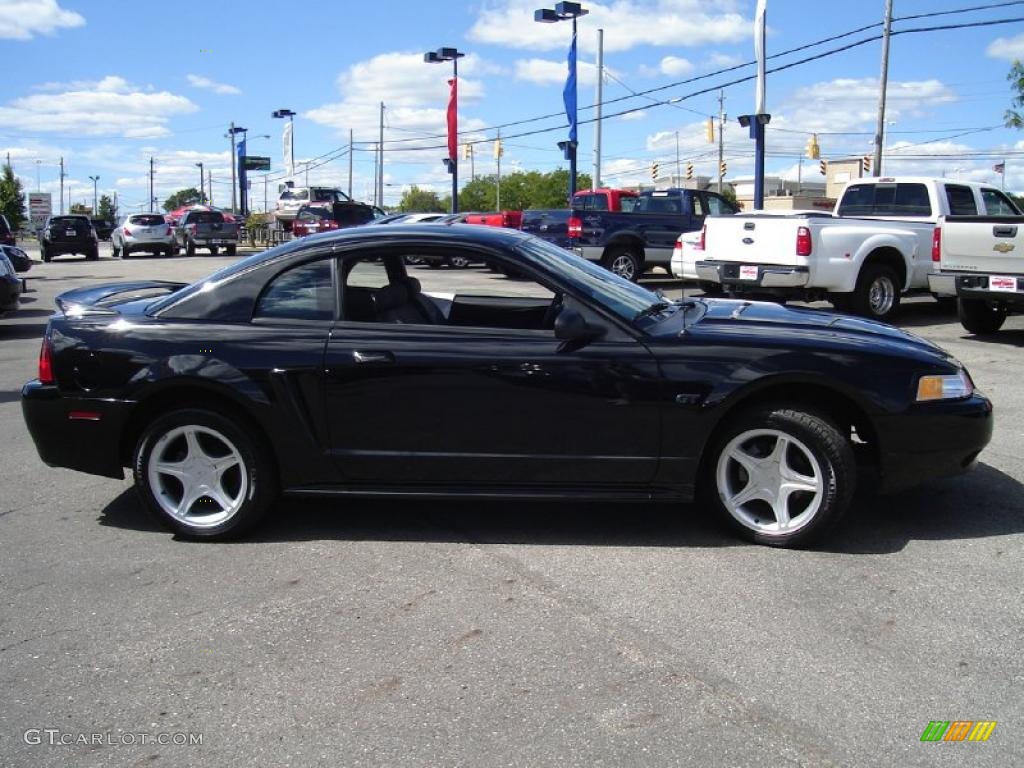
(551, 313)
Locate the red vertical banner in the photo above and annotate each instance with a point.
(453, 120)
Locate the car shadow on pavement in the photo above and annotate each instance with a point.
(14, 330)
(983, 503)
(1004, 338)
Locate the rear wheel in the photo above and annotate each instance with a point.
(126, 252)
(93, 255)
(45, 254)
(980, 317)
(203, 475)
(779, 475)
(115, 251)
(878, 292)
(458, 262)
(231, 250)
(213, 250)
(190, 248)
(623, 261)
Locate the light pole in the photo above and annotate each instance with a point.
(243, 177)
(95, 205)
(233, 130)
(290, 133)
(202, 192)
(38, 163)
(561, 12)
(452, 161)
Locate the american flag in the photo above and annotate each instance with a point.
(999, 167)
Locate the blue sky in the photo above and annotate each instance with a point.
(109, 84)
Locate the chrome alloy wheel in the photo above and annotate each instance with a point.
(881, 295)
(198, 476)
(770, 482)
(623, 266)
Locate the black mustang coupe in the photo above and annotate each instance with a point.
(323, 368)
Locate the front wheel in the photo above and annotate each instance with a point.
(877, 294)
(202, 475)
(93, 255)
(190, 248)
(780, 476)
(231, 250)
(46, 255)
(458, 262)
(979, 317)
(624, 262)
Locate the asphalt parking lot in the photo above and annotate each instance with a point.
(474, 634)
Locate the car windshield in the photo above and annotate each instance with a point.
(625, 299)
(146, 220)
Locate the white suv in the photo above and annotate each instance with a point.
(293, 198)
(147, 232)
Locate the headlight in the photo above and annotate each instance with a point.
(953, 387)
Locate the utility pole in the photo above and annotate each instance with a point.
(351, 150)
(376, 171)
(152, 199)
(596, 181)
(876, 169)
(209, 179)
(498, 152)
(234, 162)
(721, 136)
(679, 175)
(380, 149)
(202, 195)
(62, 185)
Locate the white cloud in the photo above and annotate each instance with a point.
(198, 81)
(24, 19)
(673, 66)
(629, 23)
(724, 61)
(547, 72)
(110, 106)
(415, 95)
(1009, 48)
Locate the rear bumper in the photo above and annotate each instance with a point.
(934, 440)
(75, 432)
(59, 248)
(768, 275)
(977, 286)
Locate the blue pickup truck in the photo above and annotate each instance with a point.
(630, 243)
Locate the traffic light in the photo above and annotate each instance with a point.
(654, 171)
(467, 151)
(813, 150)
(722, 168)
(709, 130)
(823, 167)
(689, 171)
(499, 151)
(865, 163)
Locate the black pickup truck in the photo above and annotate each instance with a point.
(630, 243)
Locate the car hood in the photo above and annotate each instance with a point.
(770, 322)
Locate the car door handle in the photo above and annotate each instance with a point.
(1004, 231)
(372, 357)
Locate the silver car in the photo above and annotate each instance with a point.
(147, 232)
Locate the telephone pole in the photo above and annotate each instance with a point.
(721, 137)
(595, 182)
(679, 174)
(380, 149)
(351, 149)
(498, 151)
(152, 199)
(876, 168)
(62, 185)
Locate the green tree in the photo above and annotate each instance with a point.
(12, 198)
(1012, 117)
(80, 208)
(106, 208)
(190, 196)
(419, 200)
(479, 194)
(729, 193)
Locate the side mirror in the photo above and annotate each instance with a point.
(573, 330)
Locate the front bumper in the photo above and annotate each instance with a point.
(933, 440)
(767, 275)
(75, 432)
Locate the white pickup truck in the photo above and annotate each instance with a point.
(981, 262)
(874, 247)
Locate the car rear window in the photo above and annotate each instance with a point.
(313, 214)
(69, 221)
(206, 217)
(961, 200)
(146, 220)
(295, 194)
(885, 200)
(591, 202)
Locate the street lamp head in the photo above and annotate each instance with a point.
(442, 54)
(237, 129)
(282, 113)
(560, 12)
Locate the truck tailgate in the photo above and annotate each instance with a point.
(753, 239)
(993, 245)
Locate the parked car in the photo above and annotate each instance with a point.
(551, 225)
(981, 262)
(312, 219)
(206, 229)
(292, 199)
(863, 257)
(104, 227)
(10, 286)
(68, 233)
(511, 219)
(321, 368)
(143, 232)
(18, 258)
(603, 199)
(7, 235)
(631, 242)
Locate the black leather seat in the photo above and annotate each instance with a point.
(403, 302)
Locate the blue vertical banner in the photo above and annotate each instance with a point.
(242, 186)
(569, 94)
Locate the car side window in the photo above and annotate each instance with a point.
(698, 206)
(961, 200)
(305, 292)
(997, 204)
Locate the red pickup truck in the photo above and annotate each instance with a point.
(603, 199)
(508, 219)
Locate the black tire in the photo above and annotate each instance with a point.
(843, 302)
(115, 252)
(946, 303)
(979, 317)
(809, 434)
(46, 255)
(624, 261)
(253, 480)
(458, 262)
(434, 264)
(231, 250)
(213, 250)
(190, 248)
(126, 252)
(93, 255)
(168, 252)
(877, 294)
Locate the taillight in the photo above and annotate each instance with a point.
(699, 245)
(170, 231)
(936, 244)
(575, 227)
(46, 362)
(679, 243)
(803, 241)
(127, 231)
